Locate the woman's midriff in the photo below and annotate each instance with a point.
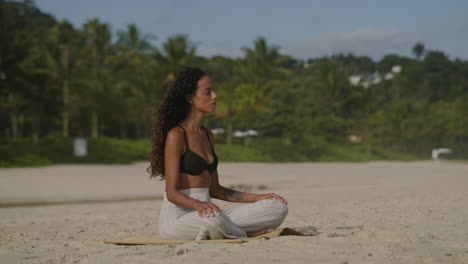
(195, 181)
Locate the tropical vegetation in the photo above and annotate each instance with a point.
(58, 82)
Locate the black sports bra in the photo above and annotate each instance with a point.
(192, 163)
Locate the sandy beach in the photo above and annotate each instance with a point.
(377, 212)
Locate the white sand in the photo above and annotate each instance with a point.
(378, 212)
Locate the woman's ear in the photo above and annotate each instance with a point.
(189, 99)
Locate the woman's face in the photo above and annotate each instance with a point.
(204, 98)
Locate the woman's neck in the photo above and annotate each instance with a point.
(193, 121)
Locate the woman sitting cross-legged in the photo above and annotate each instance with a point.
(183, 154)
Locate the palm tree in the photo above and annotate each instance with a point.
(22, 25)
(58, 64)
(418, 50)
(262, 63)
(65, 33)
(178, 51)
(227, 106)
(138, 82)
(98, 37)
(257, 72)
(134, 40)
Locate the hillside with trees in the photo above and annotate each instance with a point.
(58, 82)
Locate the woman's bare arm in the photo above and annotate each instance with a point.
(219, 192)
(222, 193)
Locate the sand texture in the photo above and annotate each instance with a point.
(377, 212)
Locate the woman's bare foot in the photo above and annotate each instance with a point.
(258, 233)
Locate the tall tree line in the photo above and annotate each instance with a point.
(64, 81)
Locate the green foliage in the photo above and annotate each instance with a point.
(361, 152)
(54, 150)
(239, 153)
(51, 150)
(58, 82)
(280, 149)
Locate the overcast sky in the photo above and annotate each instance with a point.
(302, 28)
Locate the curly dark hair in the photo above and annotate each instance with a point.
(173, 109)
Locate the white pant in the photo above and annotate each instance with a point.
(178, 223)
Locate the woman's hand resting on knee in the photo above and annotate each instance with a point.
(271, 196)
(206, 209)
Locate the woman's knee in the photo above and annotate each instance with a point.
(283, 208)
(279, 207)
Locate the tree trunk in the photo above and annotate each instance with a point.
(123, 132)
(20, 124)
(94, 125)
(13, 118)
(246, 142)
(137, 130)
(66, 92)
(35, 134)
(13, 124)
(66, 113)
(94, 117)
(229, 133)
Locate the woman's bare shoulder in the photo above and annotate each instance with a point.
(175, 133)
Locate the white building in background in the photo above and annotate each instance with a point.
(389, 76)
(396, 69)
(366, 80)
(376, 78)
(355, 79)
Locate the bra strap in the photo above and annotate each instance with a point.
(185, 136)
(209, 141)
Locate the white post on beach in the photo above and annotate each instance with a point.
(80, 147)
(437, 151)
